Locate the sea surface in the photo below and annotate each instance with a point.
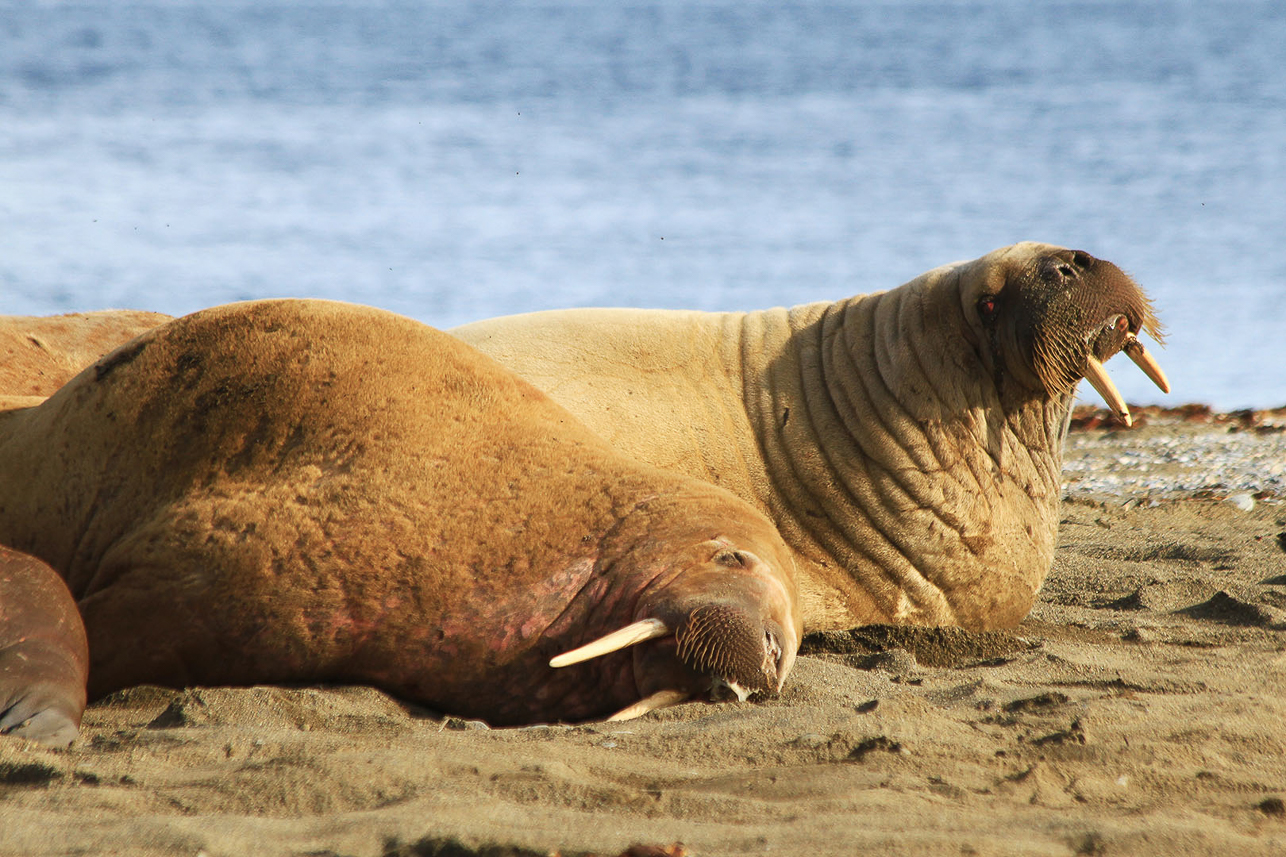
(458, 160)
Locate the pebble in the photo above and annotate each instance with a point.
(1179, 459)
(810, 739)
(1242, 501)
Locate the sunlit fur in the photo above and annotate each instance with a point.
(908, 449)
(38, 354)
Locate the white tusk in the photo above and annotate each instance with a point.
(638, 632)
(660, 699)
(1099, 380)
(1136, 352)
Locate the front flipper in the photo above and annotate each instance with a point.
(44, 658)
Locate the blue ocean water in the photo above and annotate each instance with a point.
(457, 160)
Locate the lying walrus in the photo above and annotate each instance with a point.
(908, 444)
(301, 491)
(38, 354)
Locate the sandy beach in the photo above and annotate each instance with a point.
(1137, 710)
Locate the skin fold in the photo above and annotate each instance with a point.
(907, 444)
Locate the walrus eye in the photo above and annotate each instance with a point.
(987, 308)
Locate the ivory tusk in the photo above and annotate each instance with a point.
(1099, 380)
(660, 699)
(638, 632)
(1136, 352)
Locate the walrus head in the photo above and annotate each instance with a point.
(913, 437)
(1058, 318)
(726, 621)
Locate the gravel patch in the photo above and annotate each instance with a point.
(1240, 457)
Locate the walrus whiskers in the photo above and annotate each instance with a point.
(723, 641)
(633, 634)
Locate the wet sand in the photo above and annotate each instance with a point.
(1138, 710)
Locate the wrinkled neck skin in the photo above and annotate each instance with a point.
(922, 478)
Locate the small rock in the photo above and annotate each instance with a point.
(899, 662)
(1242, 501)
(810, 739)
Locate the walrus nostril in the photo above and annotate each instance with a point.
(1058, 270)
(725, 642)
(731, 559)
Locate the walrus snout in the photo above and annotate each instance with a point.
(725, 642)
(1066, 313)
(1123, 310)
(730, 622)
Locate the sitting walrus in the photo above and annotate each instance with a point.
(303, 491)
(907, 444)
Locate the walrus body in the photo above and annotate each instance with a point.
(38, 354)
(907, 444)
(301, 491)
(44, 659)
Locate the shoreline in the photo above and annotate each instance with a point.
(1185, 451)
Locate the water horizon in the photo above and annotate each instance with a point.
(455, 161)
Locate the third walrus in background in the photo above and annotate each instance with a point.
(908, 443)
(38, 354)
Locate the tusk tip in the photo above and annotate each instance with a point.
(660, 699)
(1145, 361)
(1098, 378)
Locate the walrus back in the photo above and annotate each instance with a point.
(310, 391)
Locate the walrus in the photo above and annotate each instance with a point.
(309, 491)
(38, 354)
(44, 657)
(907, 443)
